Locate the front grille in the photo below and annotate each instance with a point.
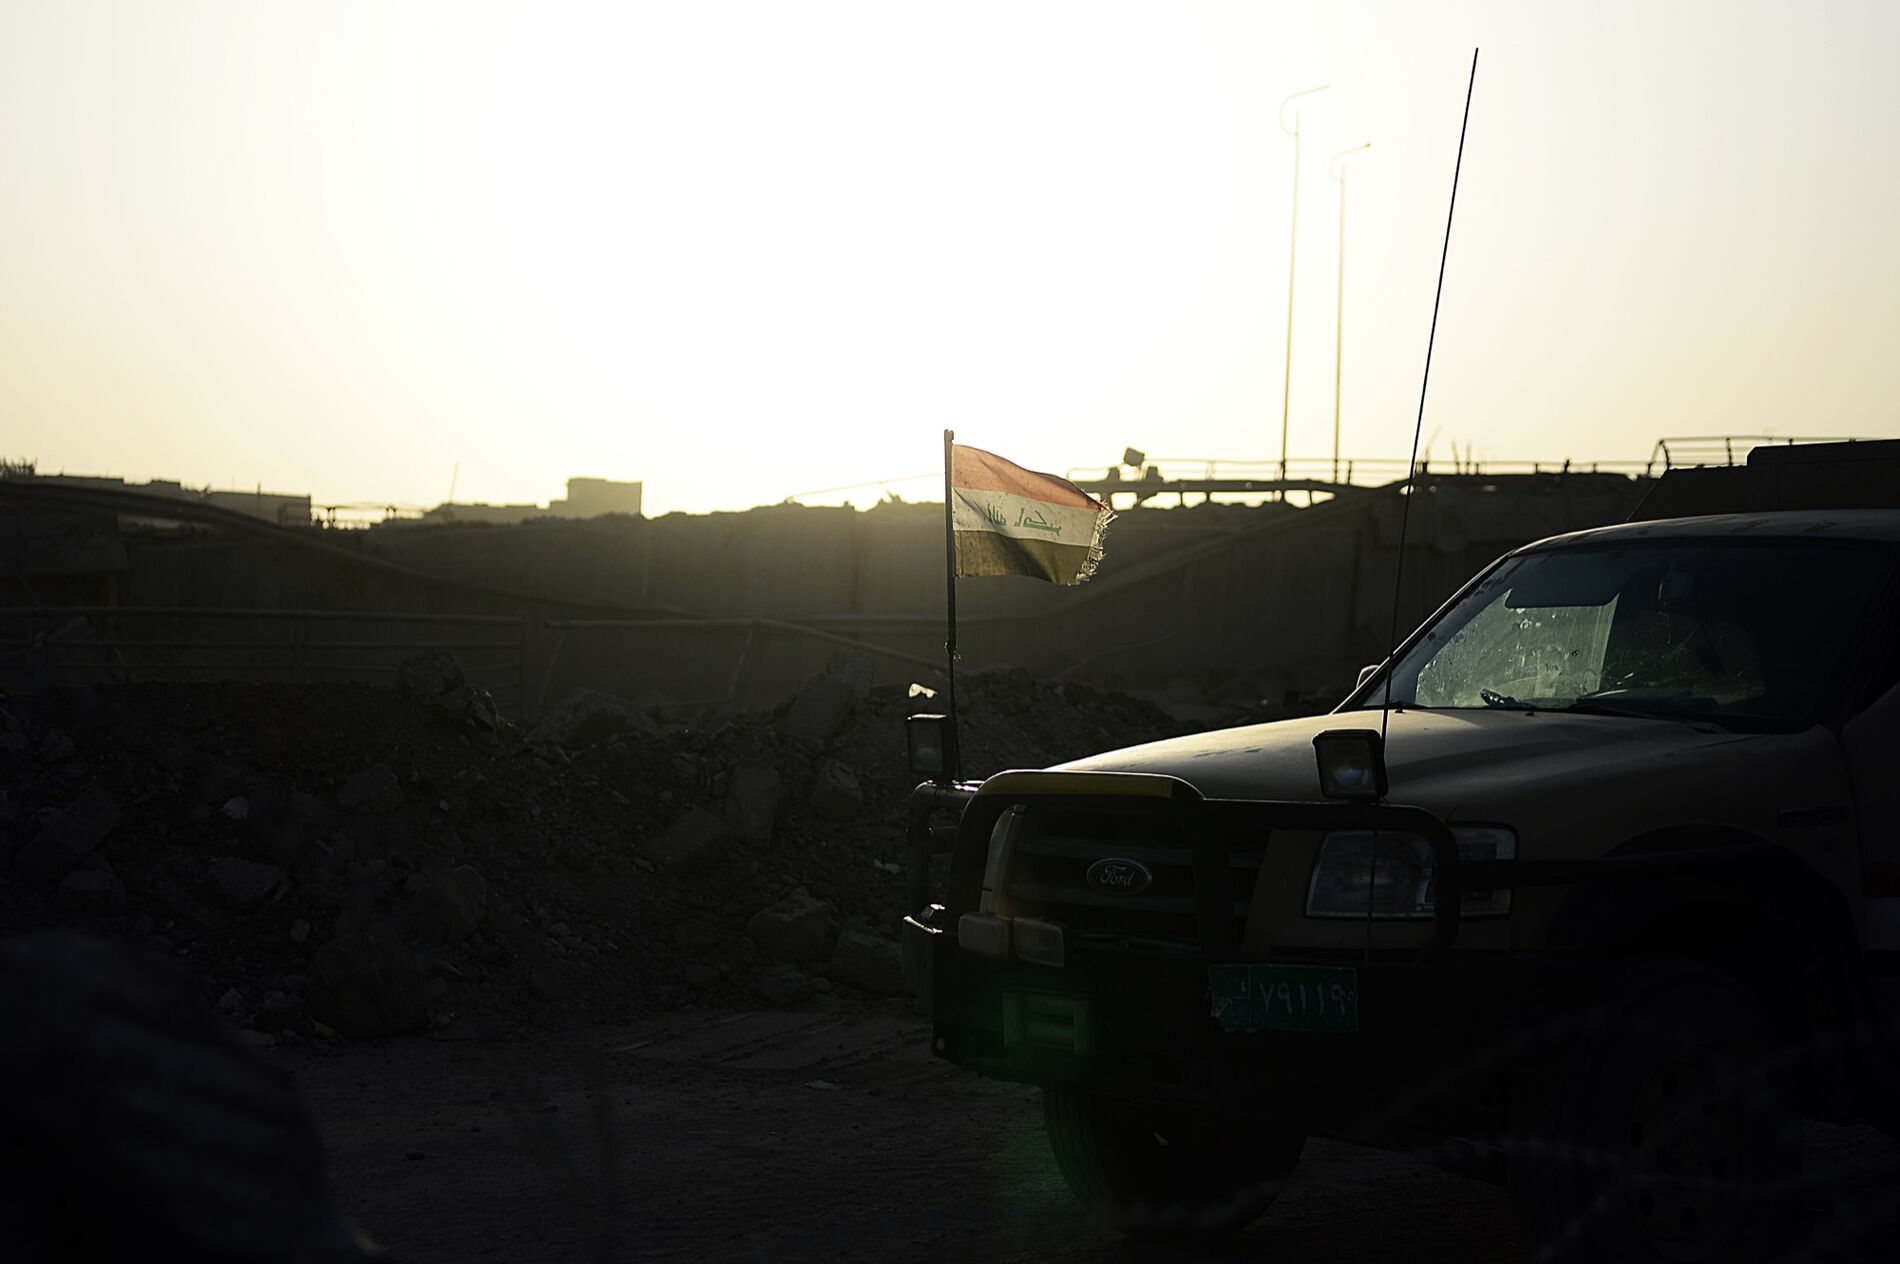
(1047, 877)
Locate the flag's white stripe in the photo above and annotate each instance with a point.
(1021, 517)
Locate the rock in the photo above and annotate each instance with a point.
(244, 884)
(698, 976)
(237, 808)
(429, 675)
(781, 985)
(447, 905)
(695, 838)
(299, 931)
(587, 716)
(753, 801)
(434, 680)
(793, 929)
(819, 709)
(283, 822)
(69, 837)
(257, 1039)
(835, 794)
(375, 790)
(547, 983)
(279, 1016)
(698, 934)
(92, 887)
(865, 961)
(232, 1001)
(367, 984)
(855, 668)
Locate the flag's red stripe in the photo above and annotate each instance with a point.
(986, 472)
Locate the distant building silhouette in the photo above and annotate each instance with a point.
(586, 498)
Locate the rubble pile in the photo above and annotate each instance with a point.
(341, 859)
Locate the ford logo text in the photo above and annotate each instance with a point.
(1112, 875)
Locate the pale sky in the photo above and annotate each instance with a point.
(744, 250)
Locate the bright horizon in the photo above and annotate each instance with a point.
(738, 251)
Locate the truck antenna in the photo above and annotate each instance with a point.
(1411, 470)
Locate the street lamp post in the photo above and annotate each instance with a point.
(1338, 170)
(1293, 255)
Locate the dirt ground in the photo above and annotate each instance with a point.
(802, 1135)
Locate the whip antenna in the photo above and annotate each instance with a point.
(1411, 469)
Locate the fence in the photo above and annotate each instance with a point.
(81, 644)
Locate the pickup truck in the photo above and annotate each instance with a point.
(1592, 887)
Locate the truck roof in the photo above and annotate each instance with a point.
(1876, 525)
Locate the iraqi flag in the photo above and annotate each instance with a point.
(1013, 521)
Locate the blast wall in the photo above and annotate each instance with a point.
(1200, 602)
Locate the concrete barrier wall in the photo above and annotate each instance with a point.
(1214, 600)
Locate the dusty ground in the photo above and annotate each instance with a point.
(798, 1135)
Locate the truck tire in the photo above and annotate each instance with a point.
(1166, 1174)
(1667, 1131)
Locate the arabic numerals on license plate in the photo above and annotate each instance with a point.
(1285, 998)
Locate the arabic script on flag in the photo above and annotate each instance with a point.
(1013, 521)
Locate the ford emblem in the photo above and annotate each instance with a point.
(1112, 875)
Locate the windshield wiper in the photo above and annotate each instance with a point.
(1729, 722)
(1504, 702)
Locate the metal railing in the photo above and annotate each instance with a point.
(69, 644)
(1701, 450)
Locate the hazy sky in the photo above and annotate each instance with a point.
(744, 250)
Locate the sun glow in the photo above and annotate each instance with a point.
(742, 250)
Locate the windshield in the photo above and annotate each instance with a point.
(1744, 631)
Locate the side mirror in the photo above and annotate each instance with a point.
(1351, 764)
(1367, 673)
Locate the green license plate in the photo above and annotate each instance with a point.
(1284, 998)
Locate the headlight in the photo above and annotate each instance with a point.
(1393, 872)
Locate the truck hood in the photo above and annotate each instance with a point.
(1439, 760)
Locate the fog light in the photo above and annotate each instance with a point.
(986, 936)
(1351, 764)
(1038, 941)
(933, 746)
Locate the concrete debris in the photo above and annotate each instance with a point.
(793, 929)
(605, 881)
(587, 716)
(446, 906)
(69, 837)
(92, 887)
(781, 985)
(819, 709)
(374, 791)
(753, 801)
(835, 793)
(279, 1016)
(855, 668)
(429, 675)
(368, 984)
(695, 839)
(865, 961)
(281, 822)
(244, 884)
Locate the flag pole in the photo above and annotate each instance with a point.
(950, 582)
